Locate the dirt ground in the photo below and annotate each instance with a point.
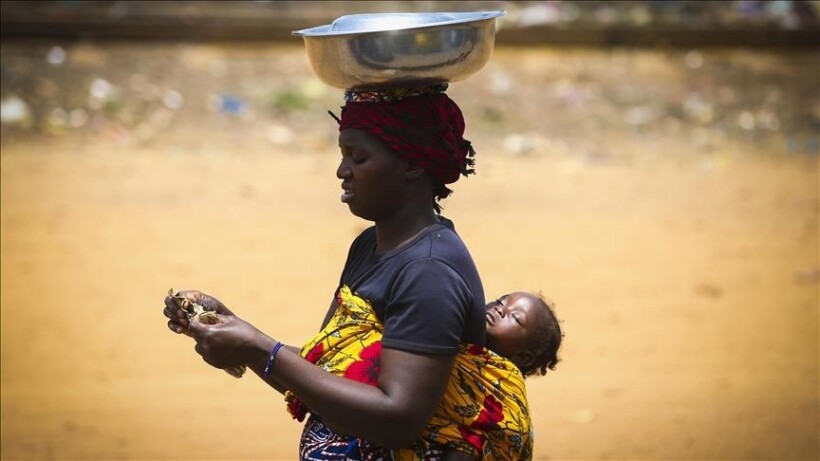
(680, 249)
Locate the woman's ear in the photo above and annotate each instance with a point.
(412, 171)
(523, 359)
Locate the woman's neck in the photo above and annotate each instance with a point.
(399, 230)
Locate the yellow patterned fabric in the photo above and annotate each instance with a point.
(484, 410)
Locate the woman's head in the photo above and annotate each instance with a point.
(375, 181)
(522, 327)
(422, 126)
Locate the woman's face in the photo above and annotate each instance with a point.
(373, 181)
(511, 321)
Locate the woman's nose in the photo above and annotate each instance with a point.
(343, 171)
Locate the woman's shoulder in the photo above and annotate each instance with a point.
(445, 244)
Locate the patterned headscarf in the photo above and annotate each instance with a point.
(423, 126)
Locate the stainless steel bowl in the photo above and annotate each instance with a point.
(382, 50)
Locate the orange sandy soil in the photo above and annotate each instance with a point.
(687, 285)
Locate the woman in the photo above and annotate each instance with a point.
(399, 151)
(484, 413)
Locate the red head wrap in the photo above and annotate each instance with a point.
(426, 129)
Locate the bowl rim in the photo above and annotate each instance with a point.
(462, 17)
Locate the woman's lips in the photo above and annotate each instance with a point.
(347, 194)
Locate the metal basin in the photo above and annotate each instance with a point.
(383, 50)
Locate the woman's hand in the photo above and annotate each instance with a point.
(178, 319)
(229, 343)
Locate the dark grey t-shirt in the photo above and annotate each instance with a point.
(427, 294)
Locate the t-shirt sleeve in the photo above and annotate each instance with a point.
(427, 310)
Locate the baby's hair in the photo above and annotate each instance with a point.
(545, 345)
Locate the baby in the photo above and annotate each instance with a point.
(484, 412)
(521, 328)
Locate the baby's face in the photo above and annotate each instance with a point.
(510, 321)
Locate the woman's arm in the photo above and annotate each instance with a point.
(178, 323)
(391, 414)
(271, 380)
(451, 454)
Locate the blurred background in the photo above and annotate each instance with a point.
(652, 167)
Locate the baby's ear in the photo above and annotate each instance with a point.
(523, 359)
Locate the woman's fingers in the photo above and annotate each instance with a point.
(174, 313)
(196, 330)
(174, 323)
(175, 327)
(206, 353)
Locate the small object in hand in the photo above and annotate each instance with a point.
(197, 313)
(194, 311)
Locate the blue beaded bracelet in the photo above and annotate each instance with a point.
(273, 352)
